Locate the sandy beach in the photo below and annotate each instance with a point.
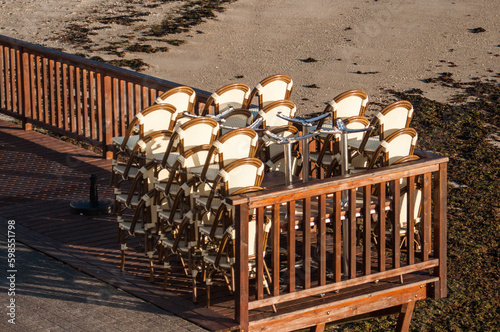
(369, 45)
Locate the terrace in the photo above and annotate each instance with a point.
(92, 103)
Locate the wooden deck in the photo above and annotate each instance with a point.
(40, 176)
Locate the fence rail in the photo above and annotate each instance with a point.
(71, 95)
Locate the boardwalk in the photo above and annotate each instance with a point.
(39, 177)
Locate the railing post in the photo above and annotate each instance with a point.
(26, 91)
(241, 266)
(440, 230)
(107, 120)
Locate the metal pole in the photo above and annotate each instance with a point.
(305, 156)
(288, 164)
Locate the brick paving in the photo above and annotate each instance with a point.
(53, 296)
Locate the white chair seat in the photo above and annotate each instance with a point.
(223, 263)
(212, 171)
(120, 169)
(122, 198)
(327, 158)
(219, 232)
(371, 144)
(162, 186)
(125, 225)
(132, 141)
(169, 243)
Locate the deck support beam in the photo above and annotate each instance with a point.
(405, 315)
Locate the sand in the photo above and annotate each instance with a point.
(359, 44)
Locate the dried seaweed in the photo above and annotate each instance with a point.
(461, 130)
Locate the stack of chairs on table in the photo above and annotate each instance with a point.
(387, 140)
(172, 169)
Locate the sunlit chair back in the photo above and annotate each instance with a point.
(233, 95)
(397, 115)
(149, 120)
(183, 98)
(272, 88)
(269, 114)
(192, 133)
(345, 105)
(238, 118)
(400, 144)
(329, 156)
(348, 104)
(271, 148)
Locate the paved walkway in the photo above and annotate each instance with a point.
(52, 296)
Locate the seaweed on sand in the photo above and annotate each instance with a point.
(189, 15)
(461, 131)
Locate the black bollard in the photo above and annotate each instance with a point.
(92, 206)
(94, 200)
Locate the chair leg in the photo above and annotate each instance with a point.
(151, 265)
(166, 267)
(208, 283)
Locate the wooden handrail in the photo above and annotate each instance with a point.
(80, 98)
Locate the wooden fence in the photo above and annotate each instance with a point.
(318, 203)
(73, 96)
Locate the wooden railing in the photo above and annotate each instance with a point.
(319, 203)
(73, 96)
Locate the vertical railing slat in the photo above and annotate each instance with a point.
(275, 247)
(259, 255)
(321, 238)
(337, 234)
(381, 228)
(19, 75)
(367, 230)
(26, 96)
(13, 79)
(130, 102)
(65, 92)
(79, 102)
(45, 79)
(440, 230)
(352, 233)
(39, 88)
(396, 227)
(291, 246)
(52, 92)
(306, 222)
(6, 62)
(85, 100)
(72, 99)
(427, 206)
(3, 86)
(122, 109)
(116, 107)
(94, 129)
(106, 119)
(241, 267)
(410, 227)
(32, 80)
